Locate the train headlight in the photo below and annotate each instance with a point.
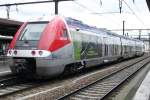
(15, 52)
(40, 52)
(10, 52)
(33, 53)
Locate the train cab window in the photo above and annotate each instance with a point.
(64, 34)
(33, 31)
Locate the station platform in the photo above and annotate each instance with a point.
(3, 64)
(4, 68)
(143, 92)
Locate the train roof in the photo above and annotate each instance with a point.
(82, 26)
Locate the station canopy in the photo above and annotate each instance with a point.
(8, 27)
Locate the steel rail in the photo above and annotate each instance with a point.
(13, 84)
(101, 88)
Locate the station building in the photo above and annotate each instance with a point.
(7, 30)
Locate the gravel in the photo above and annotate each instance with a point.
(58, 87)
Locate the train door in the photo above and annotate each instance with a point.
(92, 51)
(67, 50)
(121, 47)
(77, 44)
(89, 47)
(105, 46)
(85, 46)
(111, 46)
(100, 47)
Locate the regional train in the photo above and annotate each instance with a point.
(48, 48)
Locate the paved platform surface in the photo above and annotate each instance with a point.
(143, 93)
(4, 66)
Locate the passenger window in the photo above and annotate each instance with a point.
(65, 33)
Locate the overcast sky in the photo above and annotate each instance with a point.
(136, 15)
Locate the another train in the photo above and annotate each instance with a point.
(48, 48)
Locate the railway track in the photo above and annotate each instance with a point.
(12, 84)
(5, 75)
(101, 88)
(66, 88)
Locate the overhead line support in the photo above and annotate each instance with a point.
(36, 2)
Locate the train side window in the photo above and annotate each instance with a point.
(65, 33)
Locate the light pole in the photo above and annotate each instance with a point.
(149, 42)
(123, 27)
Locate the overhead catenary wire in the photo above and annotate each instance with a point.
(134, 13)
(81, 5)
(97, 13)
(130, 29)
(115, 12)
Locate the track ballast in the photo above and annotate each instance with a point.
(99, 89)
(68, 88)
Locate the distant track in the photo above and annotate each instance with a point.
(101, 88)
(5, 72)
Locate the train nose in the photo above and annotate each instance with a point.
(24, 66)
(28, 53)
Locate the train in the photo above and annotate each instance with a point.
(64, 44)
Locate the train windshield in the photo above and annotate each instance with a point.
(33, 31)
